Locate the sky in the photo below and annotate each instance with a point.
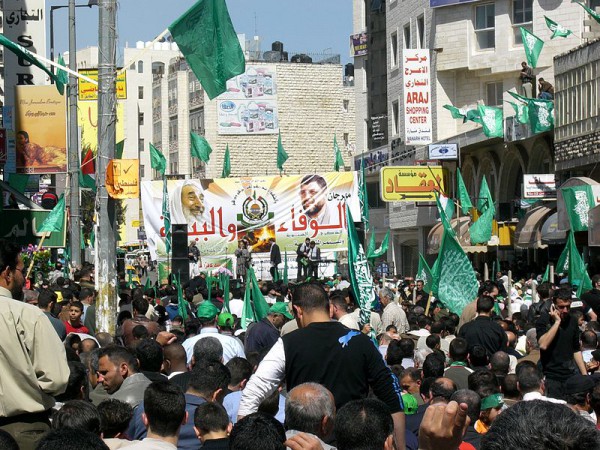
(304, 26)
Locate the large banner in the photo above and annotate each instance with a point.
(41, 130)
(418, 128)
(221, 212)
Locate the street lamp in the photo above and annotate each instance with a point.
(52, 9)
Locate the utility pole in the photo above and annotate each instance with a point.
(74, 219)
(106, 273)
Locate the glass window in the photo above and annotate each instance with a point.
(395, 124)
(140, 66)
(522, 11)
(421, 31)
(394, 49)
(141, 144)
(141, 118)
(495, 93)
(407, 36)
(346, 105)
(485, 21)
(142, 174)
(140, 92)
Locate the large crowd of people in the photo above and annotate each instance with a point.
(309, 375)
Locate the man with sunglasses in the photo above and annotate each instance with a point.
(560, 348)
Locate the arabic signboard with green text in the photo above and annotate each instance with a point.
(21, 226)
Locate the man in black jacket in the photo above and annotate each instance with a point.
(483, 330)
(302, 259)
(591, 298)
(275, 257)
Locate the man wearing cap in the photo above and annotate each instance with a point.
(578, 391)
(263, 334)
(207, 314)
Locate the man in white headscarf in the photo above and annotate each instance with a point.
(187, 203)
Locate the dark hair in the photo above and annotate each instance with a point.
(255, 431)
(211, 416)
(539, 425)
(65, 439)
(432, 341)
(442, 388)
(529, 377)
(310, 296)
(564, 294)
(240, 369)
(484, 382)
(595, 400)
(9, 255)
(150, 355)
(413, 373)
(140, 304)
(487, 286)
(363, 425)
(394, 354)
(449, 325)
(478, 356)
(508, 386)
(7, 442)
(208, 377)
(588, 338)
(544, 290)
(140, 332)
(115, 416)
(118, 355)
(433, 366)
(46, 297)
(459, 349)
(314, 178)
(208, 349)
(77, 415)
(85, 293)
(485, 304)
(423, 321)
(77, 380)
(164, 406)
(472, 400)
(500, 363)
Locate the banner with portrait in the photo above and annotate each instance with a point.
(221, 212)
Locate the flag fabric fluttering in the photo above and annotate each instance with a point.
(372, 252)
(424, 274)
(590, 11)
(181, 301)
(363, 196)
(463, 194)
(442, 213)
(533, 46)
(255, 306)
(282, 156)
(557, 29)
(521, 111)
(119, 148)
(25, 54)
(576, 267)
(157, 160)
(492, 120)
(541, 116)
(56, 219)
(226, 164)
(62, 75)
(481, 230)
(87, 165)
(578, 202)
(285, 268)
(473, 115)
(209, 43)
(159, 163)
(338, 159)
(200, 147)
(546, 276)
(457, 113)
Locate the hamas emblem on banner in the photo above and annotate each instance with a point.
(255, 210)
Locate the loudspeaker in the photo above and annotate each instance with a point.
(180, 262)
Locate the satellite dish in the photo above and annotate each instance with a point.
(272, 56)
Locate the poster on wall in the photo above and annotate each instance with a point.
(418, 128)
(41, 130)
(221, 212)
(249, 106)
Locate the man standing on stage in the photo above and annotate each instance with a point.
(275, 257)
(314, 257)
(302, 259)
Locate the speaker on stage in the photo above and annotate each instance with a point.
(180, 262)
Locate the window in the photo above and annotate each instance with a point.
(421, 31)
(495, 93)
(141, 119)
(140, 66)
(346, 105)
(594, 4)
(407, 36)
(522, 17)
(142, 173)
(132, 67)
(394, 49)
(374, 196)
(346, 139)
(395, 124)
(140, 92)
(484, 26)
(141, 144)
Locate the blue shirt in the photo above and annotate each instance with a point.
(231, 403)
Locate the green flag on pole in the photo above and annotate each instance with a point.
(541, 115)
(200, 147)
(578, 202)
(255, 306)
(147, 284)
(492, 121)
(457, 113)
(562, 265)
(119, 148)
(485, 199)
(442, 213)
(590, 11)
(372, 252)
(226, 164)
(473, 115)
(209, 43)
(285, 268)
(26, 55)
(157, 160)
(86, 181)
(463, 194)
(225, 287)
(56, 219)
(62, 75)
(282, 156)
(181, 301)
(481, 230)
(424, 274)
(533, 46)
(546, 276)
(166, 213)
(338, 159)
(363, 196)
(521, 111)
(577, 269)
(557, 29)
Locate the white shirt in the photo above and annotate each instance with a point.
(236, 306)
(393, 314)
(538, 396)
(231, 346)
(152, 444)
(349, 322)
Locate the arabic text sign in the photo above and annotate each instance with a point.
(412, 183)
(220, 212)
(443, 151)
(89, 91)
(122, 178)
(417, 97)
(539, 186)
(358, 45)
(21, 226)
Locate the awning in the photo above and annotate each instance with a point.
(550, 232)
(461, 228)
(528, 234)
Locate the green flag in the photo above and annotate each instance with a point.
(157, 160)
(519, 97)
(485, 199)
(578, 202)
(442, 213)
(147, 284)
(166, 213)
(481, 230)
(492, 121)
(225, 287)
(207, 39)
(474, 116)
(546, 276)
(181, 301)
(457, 113)
(435, 283)
(18, 181)
(463, 194)
(577, 269)
(56, 219)
(285, 269)
(360, 273)
(591, 12)
(455, 278)
(200, 147)
(62, 76)
(373, 253)
(86, 181)
(521, 112)
(533, 46)
(25, 54)
(562, 266)
(282, 156)
(255, 306)
(541, 115)
(363, 196)
(93, 237)
(338, 159)
(226, 164)
(119, 148)
(424, 274)
(557, 29)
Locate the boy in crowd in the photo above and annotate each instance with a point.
(74, 324)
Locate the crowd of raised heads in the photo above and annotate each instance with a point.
(312, 373)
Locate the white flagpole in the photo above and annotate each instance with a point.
(66, 69)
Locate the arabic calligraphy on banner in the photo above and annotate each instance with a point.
(122, 178)
(220, 212)
(20, 226)
(417, 97)
(89, 91)
(412, 183)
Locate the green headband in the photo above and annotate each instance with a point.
(492, 401)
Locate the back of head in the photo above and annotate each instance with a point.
(487, 287)
(164, 406)
(140, 304)
(544, 290)
(500, 363)
(240, 369)
(363, 425)
(306, 406)
(484, 382)
(394, 354)
(478, 356)
(509, 386)
(150, 355)
(473, 401)
(459, 349)
(529, 378)
(433, 366)
(77, 415)
(9, 254)
(207, 378)
(7, 442)
(211, 417)
(115, 416)
(45, 298)
(442, 388)
(310, 297)
(485, 304)
(539, 425)
(208, 349)
(66, 439)
(77, 382)
(589, 339)
(257, 431)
